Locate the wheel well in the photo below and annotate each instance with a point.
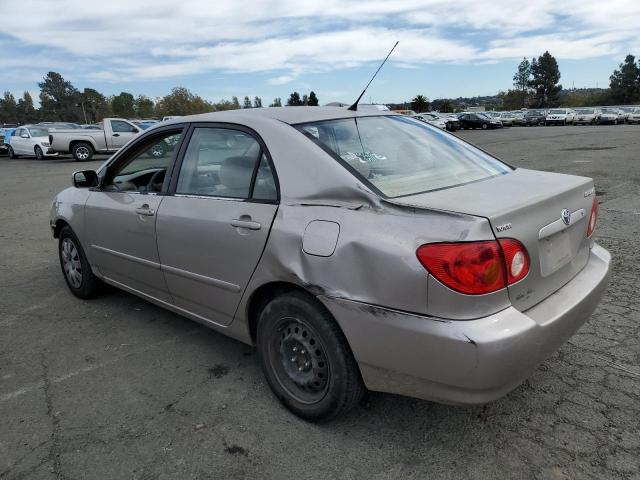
(262, 296)
(59, 225)
(75, 142)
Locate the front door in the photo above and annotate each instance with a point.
(18, 143)
(121, 219)
(212, 231)
(122, 133)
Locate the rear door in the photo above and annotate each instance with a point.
(213, 229)
(121, 133)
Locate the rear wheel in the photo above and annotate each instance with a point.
(75, 266)
(39, 153)
(82, 152)
(11, 153)
(306, 358)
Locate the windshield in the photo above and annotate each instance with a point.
(557, 112)
(533, 113)
(400, 156)
(609, 110)
(585, 111)
(39, 132)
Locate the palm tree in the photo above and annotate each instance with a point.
(420, 104)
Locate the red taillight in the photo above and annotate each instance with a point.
(476, 268)
(516, 259)
(592, 218)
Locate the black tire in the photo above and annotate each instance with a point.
(485, 126)
(306, 358)
(82, 152)
(10, 153)
(39, 153)
(89, 285)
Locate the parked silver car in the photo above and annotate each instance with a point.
(357, 250)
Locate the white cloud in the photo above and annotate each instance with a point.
(118, 40)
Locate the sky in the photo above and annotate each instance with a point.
(270, 48)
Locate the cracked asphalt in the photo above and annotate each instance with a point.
(116, 388)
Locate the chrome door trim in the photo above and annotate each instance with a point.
(142, 261)
(232, 287)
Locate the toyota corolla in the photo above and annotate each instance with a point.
(356, 250)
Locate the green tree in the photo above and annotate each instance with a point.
(25, 110)
(305, 99)
(182, 102)
(277, 102)
(521, 82)
(420, 103)
(144, 106)
(247, 102)
(123, 105)
(294, 100)
(625, 82)
(510, 100)
(545, 77)
(257, 102)
(235, 102)
(95, 105)
(224, 105)
(313, 100)
(8, 108)
(59, 99)
(446, 107)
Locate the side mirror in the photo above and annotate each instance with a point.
(85, 179)
(25, 135)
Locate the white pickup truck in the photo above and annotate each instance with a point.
(114, 133)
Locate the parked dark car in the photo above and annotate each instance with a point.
(478, 120)
(535, 118)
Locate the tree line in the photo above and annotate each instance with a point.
(60, 101)
(536, 84)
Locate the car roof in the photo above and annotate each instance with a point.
(289, 115)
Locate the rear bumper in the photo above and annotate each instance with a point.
(466, 362)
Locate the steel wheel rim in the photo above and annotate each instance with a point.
(157, 150)
(298, 359)
(71, 263)
(82, 153)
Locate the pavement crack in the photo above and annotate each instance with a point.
(54, 449)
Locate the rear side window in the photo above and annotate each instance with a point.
(401, 156)
(118, 126)
(222, 162)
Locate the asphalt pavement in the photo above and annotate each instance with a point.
(117, 388)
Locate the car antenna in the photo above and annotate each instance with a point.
(354, 107)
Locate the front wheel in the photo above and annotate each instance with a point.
(306, 358)
(39, 153)
(485, 126)
(75, 266)
(82, 152)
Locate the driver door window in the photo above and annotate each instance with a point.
(145, 169)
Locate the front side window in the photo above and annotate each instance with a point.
(145, 168)
(38, 132)
(118, 126)
(399, 156)
(221, 162)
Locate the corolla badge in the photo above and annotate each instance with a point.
(565, 215)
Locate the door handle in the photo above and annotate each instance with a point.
(145, 210)
(248, 224)
(116, 134)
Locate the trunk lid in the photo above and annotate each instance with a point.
(528, 205)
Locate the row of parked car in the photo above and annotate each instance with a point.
(49, 139)
(536, 117)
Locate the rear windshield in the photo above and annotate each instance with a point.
(401, 156)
